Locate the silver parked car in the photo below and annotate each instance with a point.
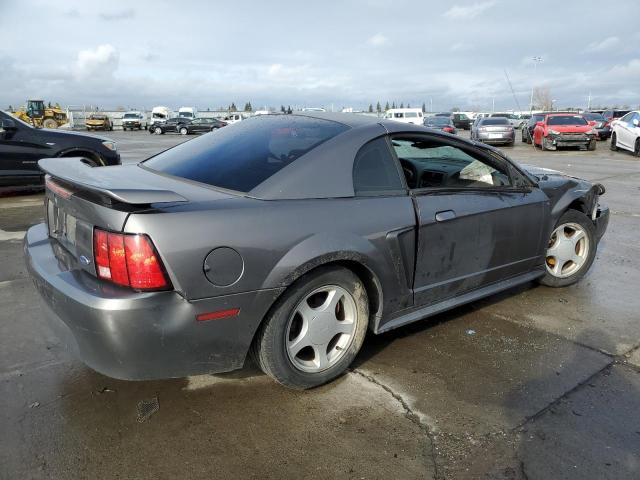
(495, 130)
(290, 237)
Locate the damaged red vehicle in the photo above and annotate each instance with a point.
(564, 130)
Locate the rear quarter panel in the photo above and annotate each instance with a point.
(281, 240)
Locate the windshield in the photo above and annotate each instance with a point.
(97, 117)
(244, 155)
(131, 115)
(15, 119)
(566, 120)
(593, 116)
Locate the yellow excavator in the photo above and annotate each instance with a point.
(41, 116)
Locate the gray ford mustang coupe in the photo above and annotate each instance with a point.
(290, 236)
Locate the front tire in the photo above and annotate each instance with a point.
(315, 330)
(183, 131)
(636, 149)
(591, 146)
(158, 131)
(571, 250)
(614, 145)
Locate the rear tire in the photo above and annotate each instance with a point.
(303, 315)
(561, 270)
(614, 145)
(636, 150)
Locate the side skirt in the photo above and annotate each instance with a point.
(429, 310)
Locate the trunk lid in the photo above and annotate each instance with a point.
(79, 197)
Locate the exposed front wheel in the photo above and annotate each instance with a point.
(570, 251)
(315, 330)
(183, 131)
(158, 131)
(614, 145)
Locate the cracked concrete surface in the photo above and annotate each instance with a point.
(546, 386)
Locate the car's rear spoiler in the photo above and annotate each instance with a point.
(107, 181)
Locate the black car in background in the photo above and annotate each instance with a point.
(601, 126)
(461, 120)
(611, 115)
(443, 124)
(527, 128)
(172, 125)
(21, 146)
(201, 125)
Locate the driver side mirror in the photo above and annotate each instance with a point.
(7, 124)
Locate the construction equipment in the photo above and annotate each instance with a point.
(41, 116)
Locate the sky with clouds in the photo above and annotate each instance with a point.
(318, 53)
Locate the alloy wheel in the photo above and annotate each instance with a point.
(321, 329)
(568, 250)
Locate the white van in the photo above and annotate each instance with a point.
(187, 112)
(405, 115)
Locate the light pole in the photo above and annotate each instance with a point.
(536, 61)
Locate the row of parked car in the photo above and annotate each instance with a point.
(548, 130)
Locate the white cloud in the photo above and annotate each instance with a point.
(100, 62)
(378, 40)
(461, 47)
(468, 11)
(604, 45)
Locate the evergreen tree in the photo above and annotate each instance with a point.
(370, 108)
(424, 107)
(393, 105)
(378, 107)
(386, 107)
(282, 109)
(233, 107)
(402, 105)
(247, 107)
(408, 106)
(289, 111)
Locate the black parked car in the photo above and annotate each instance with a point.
(201, 125)
(440, 123)
(602, 126)
(21, 146)
(527, 129)
(461, 120)
(172, 125)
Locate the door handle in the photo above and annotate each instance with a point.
(445, 215)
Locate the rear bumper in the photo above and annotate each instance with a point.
(138, 336)
(601, 221)
(506, 137)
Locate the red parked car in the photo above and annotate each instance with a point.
(564, 130)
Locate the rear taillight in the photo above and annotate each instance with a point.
(129, 260)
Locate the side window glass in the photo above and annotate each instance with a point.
(431, 163)
(374, 169)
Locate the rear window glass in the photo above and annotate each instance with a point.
(566, 120)
(411, 114)
(494, 121)
(242, 156)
